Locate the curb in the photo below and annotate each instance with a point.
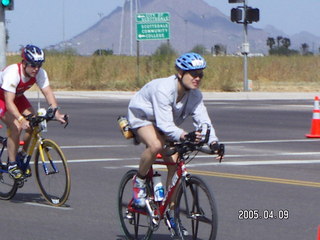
(122, 95)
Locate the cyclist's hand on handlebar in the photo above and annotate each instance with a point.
(194, 137)
(25, 124)
(214, 146)
(60, 117)
(217, 149)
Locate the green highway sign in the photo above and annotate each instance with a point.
(153, 31)
(153, 26)
(152, 17)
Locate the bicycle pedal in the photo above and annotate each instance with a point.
(20, 183)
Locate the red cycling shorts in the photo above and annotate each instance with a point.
(21, 102)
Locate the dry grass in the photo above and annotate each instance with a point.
(272, 73)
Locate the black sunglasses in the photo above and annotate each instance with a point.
(35, 65)
(196, 73)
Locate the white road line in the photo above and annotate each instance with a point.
(47, 206)
(242, 163)
(203, 156)
(93, 146)
(227, 142)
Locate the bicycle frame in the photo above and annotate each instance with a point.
(161, 206)
(36, 140)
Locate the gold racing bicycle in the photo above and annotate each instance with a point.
(50, 165)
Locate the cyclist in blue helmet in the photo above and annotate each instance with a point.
(158, 109)
(15, 79)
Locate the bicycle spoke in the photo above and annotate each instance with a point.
(135, 223)
(201, 221)
(54, 184)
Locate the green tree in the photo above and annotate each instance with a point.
(271, 42)
(286, 42)
(219, 49)
(200, 49)
(103, 52)
(279, 40)
(165, 49)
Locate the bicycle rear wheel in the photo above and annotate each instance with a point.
(135, 223)
(8, 186)
(197, 214)
(52, 173)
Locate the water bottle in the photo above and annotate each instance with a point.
(43, 125)
(158, 187)
(124, 127)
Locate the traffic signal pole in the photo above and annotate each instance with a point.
(2, 38)
(244, 15)
(245, 51)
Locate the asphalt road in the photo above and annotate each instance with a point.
(270, 168)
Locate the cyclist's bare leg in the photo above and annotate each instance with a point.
(171, 171)
(154, 142)
(27, 134)
(13, 132)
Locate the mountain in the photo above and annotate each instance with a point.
(192, 22)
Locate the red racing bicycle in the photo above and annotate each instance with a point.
(195, 206)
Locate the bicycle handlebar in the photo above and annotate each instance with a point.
(50, 114)
(187, 146)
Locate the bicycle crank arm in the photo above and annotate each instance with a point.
(151, 213)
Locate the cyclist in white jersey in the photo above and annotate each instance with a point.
(15, 79)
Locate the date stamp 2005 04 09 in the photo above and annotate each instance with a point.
(255, 214)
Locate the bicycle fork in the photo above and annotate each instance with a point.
(43, 160)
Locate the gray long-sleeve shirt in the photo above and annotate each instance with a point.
(156, 103)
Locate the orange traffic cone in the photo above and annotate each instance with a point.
(315, 123)
(318, 238)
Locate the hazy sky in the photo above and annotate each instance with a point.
(47, 22)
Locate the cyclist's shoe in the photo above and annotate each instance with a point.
(174, 227)
(14, 171)
(28, 172)
(19, 159)
(139, 192)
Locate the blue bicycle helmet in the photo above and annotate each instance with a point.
(32, 54)
(190, 61)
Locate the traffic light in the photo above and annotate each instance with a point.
(236, 15)
(252, 15)
(7, 4)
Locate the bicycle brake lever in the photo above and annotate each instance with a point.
(221, 152)
(66, 118)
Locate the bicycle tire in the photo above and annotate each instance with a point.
(55, 184)
(135, 225)
(8, 186)
(202, 207)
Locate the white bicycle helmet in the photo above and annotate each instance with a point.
(33, 55)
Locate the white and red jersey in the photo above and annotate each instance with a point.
(13, 80)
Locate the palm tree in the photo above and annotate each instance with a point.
(304, 48)
(270, 42)
(278, 40)
(286, 42)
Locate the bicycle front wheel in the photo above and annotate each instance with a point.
(196, 210)
(52, 173)
(135, 223)
(8, 186)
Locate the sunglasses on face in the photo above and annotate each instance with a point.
(35, 65)
(196, 73)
